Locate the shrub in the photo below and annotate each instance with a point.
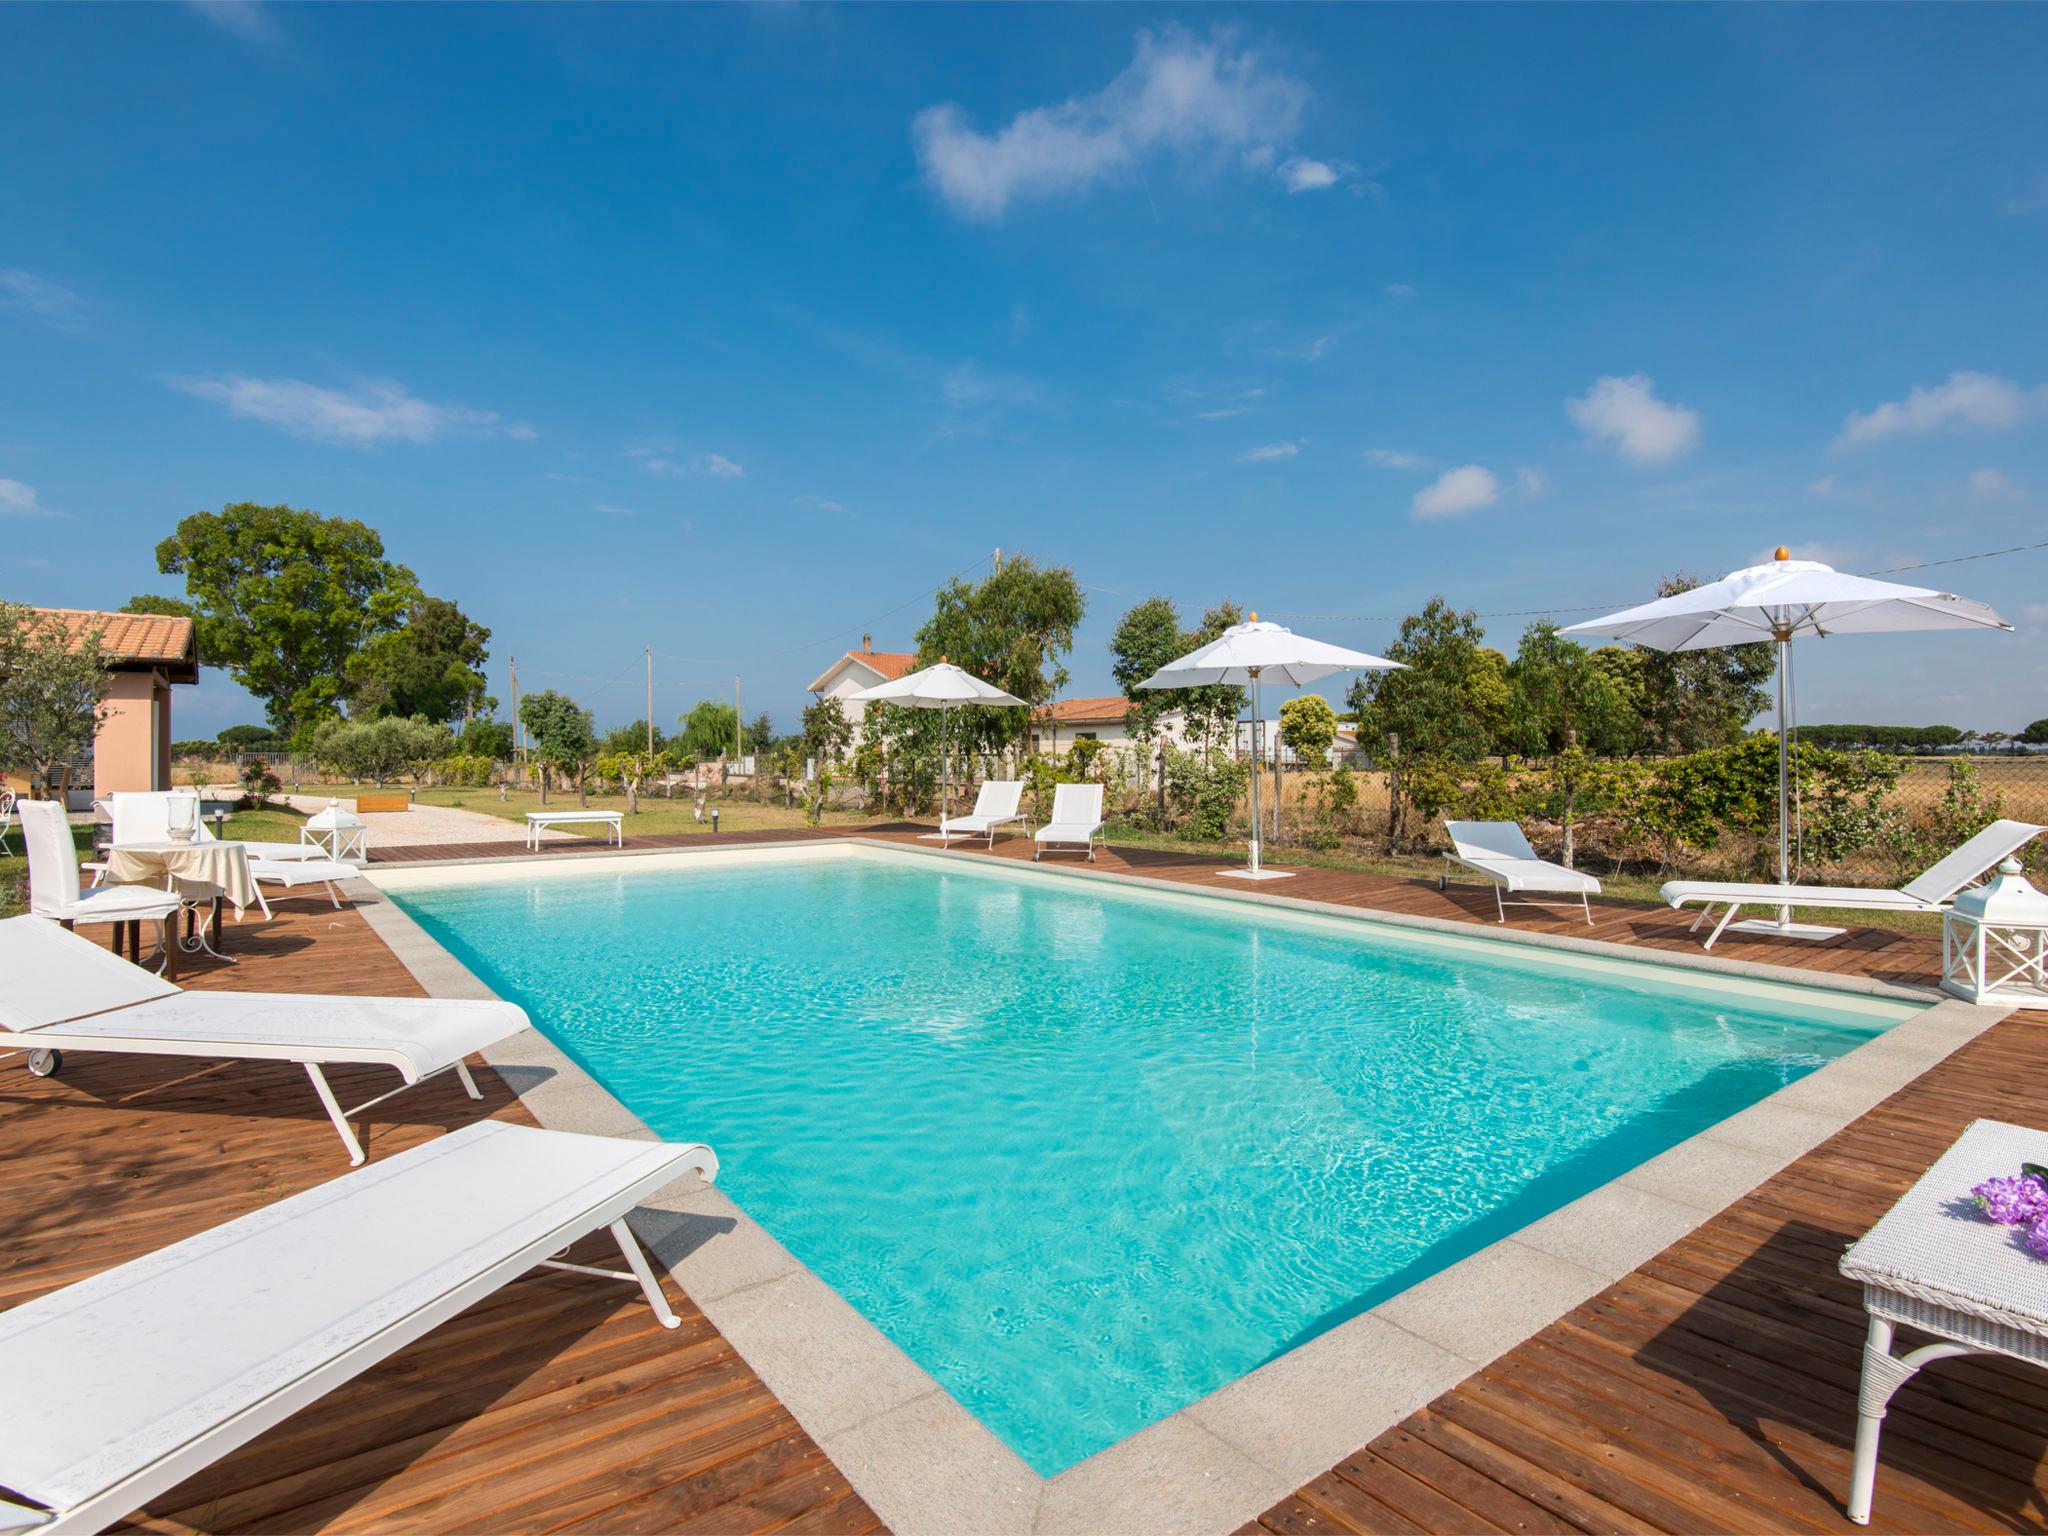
(259, 783)
(206, 751)
(465, 770)
(1204, 789)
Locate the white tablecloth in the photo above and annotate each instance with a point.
(201, 869)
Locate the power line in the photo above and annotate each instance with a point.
(1529, 613)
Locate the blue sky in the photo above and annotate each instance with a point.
(733, 332)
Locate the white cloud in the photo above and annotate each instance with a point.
(819, 503)
(1626, 414)
(2036, 612)
(657, 461)
(1399, 290)
(1269, 453)
(247, 19)
(974, 398)
(1455, 492)
(18, 500)
(611, 511)
(1179, 95)
(1304, 175)
(47, 301)
(1531, 482)
(2033, 200)
(1824, 486)
(375, 411)
(1966, 402)
(1395, 458)
(1993, 485)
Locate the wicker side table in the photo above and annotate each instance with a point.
(1935, 1264)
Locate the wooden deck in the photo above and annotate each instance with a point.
(558, 1404)
(1713, 1389)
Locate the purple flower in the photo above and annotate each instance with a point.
(2037, 1238)
(2014, 1202)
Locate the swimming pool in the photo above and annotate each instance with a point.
(1086, 1153)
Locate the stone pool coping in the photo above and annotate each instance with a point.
(928, 1467)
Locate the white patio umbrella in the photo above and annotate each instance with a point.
(1252, 652)
(1777, 601)
(940, 686)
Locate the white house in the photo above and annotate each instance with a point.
(1056, 727)
(857, 670)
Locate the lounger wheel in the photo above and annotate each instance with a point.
(45, 1063)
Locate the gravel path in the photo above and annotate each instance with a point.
(431, 825)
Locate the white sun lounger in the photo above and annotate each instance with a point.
(1499, 851)
(59, 992)
(614, 823)
(1930, 892)
(119, 1387)
(1076, 818)
(994, 806)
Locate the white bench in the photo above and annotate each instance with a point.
(536, 821)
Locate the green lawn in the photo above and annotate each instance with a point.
(655, 816)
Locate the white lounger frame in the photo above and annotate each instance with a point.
(1930, 892)
(995, 793)
(1076, 819)
(1506, 874)
(237, 1429)
(116, 1005)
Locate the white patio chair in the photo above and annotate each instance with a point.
(994, 806)
(1929, 892)
(64, 993)
(6, 815)
(1499, 851)
(119, 1387)
(54, 894)
(1076, 818)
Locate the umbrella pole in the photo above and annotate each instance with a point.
(1784, 777)
(1255, 769)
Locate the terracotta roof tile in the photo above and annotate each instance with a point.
(130, 637)
(1087, 710)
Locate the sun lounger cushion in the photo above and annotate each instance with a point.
(1500, 850)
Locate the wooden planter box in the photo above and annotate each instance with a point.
(366, 803)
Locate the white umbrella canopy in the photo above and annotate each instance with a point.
(941, 686)
(1248, 653)
(1775, 602)
(1786, 598)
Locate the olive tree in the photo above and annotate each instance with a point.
(53, 694)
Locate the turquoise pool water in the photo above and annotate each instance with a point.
(1087, 1156)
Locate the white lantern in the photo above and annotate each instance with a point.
(1994, 941)
(342, 833)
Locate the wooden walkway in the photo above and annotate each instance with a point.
(558, 1404)
(1711, 1390)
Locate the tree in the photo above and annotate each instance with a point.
(487, 736)
(284, 598)
(632, 767)
(1308, 727)
(169, 607)
(1011, 629)
(1564, 706)
(827, 733)
(1697, 699)
(1147, 637)
(248, 738)
(382, 748)
(431, 667)
(561, 734)
(53, 694)
(709, 729)
(1210, 711)
(2035, 735)
(630, 738)
(1433, 706)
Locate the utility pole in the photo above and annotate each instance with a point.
(650, 702)
(996, 560)
(739, 739)
(518, 740)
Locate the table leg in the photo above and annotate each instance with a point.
(167, 931)
(214, 922)
(1883, 1374)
